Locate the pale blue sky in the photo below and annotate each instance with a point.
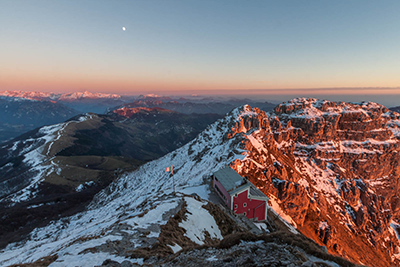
(192, 45)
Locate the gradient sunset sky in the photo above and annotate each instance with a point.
(202, 46)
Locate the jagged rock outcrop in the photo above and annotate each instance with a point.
(332, 170)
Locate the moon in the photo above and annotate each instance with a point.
(123, 28)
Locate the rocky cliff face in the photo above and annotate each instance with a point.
(332, 170)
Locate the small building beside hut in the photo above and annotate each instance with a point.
(241, 196)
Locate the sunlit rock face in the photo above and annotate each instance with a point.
(332, 170)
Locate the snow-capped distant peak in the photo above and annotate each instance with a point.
(55, 97)
(86, 95)
(30, 95)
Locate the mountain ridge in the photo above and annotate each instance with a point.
(306, 185)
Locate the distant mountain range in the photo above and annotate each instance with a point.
(19, 115)
(218, 107)
(22, 111)
(101, 103)
(58, 97)
(80, 101)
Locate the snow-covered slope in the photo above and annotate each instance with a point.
(114, 214)
(29, 160)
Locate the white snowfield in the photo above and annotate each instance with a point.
(198, 222)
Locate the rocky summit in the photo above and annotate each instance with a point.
(332, 170)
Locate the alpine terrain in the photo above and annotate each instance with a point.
(54, 171)
(330, 170)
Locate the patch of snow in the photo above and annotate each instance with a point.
(303, 182)
(262, 226)
(80, 187)
(212, 258)
(324, 179)
(89, 259)
(395, 228)
(202, 191)
(323, 225)
(175, 248)
(153, 216)
(257, 143)
(198, 222)
(273, 203)
(378, 181)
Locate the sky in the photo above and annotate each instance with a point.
(286, 47)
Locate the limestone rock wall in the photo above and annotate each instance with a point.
(332, 170)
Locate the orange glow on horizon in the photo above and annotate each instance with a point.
(139, 85)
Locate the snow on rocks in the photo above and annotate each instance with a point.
(199, 223)
(38, 156)
(175, 248)
(249, 253)
(35, 157)
(72, 256)
(154, 216)
(333, 160)
(290, 223)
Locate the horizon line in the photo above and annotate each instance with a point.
(283, 91)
